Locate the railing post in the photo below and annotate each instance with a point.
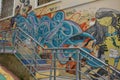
(4, 40)
(34, 53)
(78, 68)
(50, 77)
(54, 65)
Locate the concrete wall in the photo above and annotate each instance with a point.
(84, 14)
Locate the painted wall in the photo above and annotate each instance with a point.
(60, 5)
(96, 23)
(40, 10)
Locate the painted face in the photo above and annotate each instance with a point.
(105, 21)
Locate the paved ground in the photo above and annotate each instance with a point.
(8, 75)
(60, 79)
(56, 79)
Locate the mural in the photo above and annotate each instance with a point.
(9, 24)
(23, 8)
(5, 37)
(5, 25)
(92, 34)
(97, 32)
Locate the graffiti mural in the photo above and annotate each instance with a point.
(23, 8)
(106, 27)
(5, 25)
(92, 34)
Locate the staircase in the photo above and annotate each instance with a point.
(28, 56)
(50, 35)
(34, 63)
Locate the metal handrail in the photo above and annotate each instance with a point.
(33, 67)
(35, 54)
(32, 58)
(77, 63)
(60, 48)
(113, 69)
(30, 37)
(25, 65)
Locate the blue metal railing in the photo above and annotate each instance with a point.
(87, 55)
(31, 58)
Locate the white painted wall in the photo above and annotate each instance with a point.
(113, 4)
(69, 3)
(78, 4)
